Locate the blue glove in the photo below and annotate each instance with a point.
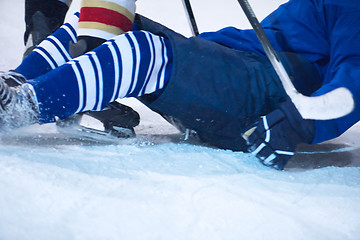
(274, 137)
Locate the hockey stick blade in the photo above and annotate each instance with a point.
(334, 104)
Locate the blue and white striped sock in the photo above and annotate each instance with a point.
(52, 52)
(129, 65)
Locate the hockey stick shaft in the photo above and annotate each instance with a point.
(334, 104)
(191, 18)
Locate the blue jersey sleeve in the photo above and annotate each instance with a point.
(343, 27)
(327, 33)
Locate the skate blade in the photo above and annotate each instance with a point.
(85, 127)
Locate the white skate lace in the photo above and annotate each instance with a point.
(5, 93)
(16, 77)
(28, 91)
(18, 106)
(23, 91)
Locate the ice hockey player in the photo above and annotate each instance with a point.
(42, 18)
(219, 84)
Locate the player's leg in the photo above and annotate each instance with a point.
(130, 65)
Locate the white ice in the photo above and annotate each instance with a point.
(155, 187)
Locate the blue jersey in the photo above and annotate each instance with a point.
(218, 91)
(325, 32)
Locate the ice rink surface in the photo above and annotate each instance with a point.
(159, 187)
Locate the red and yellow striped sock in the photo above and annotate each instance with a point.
(106, 18)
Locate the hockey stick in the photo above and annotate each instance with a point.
(190, 17)
(337, 103)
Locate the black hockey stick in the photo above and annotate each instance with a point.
(334, 104)
(190, 17)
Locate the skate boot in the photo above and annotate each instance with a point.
(12, 78)
(114, 121)
(18, 104)
(40, 30)
(40, 27)
(42, 18)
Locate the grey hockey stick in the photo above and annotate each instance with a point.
(190, 17)
(337, 103)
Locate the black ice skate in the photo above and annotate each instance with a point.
(39, 28)
(42, 18)
(12, 78)
(114, 121)
(18, 105)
